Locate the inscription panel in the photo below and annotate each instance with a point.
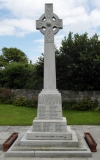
(49, 126)
(49, 99)
(49, 112)
(37, 126)
(42, 112)
(50, 135)
(49, 106)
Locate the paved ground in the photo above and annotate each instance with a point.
(6, 131)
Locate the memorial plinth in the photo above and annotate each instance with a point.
(49, 123)
(49, 120)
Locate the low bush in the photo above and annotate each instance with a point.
(6, 96)
(68, 104)
(31, 103)
(85, 104)
(97, 109)
(21, 101)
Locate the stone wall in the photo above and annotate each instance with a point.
(66, 95)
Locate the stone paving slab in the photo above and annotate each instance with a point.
(17, 129)
(4, 135)
(4, 128)
(5, 132)
(93, 158)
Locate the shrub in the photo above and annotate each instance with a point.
(97, 109)
(31, 103)
(6, 96)
(68, 104)
(19, 101)
(85, 104)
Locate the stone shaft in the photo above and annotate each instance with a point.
(49, 24)
(49, 67)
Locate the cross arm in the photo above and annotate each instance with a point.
(58, 23)
(39, 24)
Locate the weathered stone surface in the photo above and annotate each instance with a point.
(53, 130)
(49, 106)
(74, 148)
(49, 20)
(49, 125)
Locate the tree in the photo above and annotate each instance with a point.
(15, 72)
(10, 55)
(78, 63)
(15, 75)
(21, 76)
(35, 80)
(39, 71)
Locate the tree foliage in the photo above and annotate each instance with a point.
(78, 63)
(10, 55)
(15, 75)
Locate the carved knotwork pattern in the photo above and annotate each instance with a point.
(39, 24)
(49, 24)
(49, 36)
(58, 23)
(48, 11)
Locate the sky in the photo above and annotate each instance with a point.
(18, 22)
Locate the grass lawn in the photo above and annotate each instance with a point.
(14, 115)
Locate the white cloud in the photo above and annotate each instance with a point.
(18, 18)
(96, 3)
(17, 26)
(94, 18)
(58, 39)
(21, 8)
(7, 30)
(34, 58)
(78, 27)
(24, 13)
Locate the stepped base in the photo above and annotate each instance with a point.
(31, 135)
(42, 125)
(50, 148)
(72, 142)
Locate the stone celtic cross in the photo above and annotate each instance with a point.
(49, 24)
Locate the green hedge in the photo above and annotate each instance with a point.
(21, 101)
(85, 104)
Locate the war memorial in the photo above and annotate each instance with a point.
(49, 135)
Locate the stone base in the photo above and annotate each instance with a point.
(48, 148)
(40, 125)
(55, 142)
(30, 135)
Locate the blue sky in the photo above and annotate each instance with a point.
(18, 22)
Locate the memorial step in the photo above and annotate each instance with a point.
(81, 150)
